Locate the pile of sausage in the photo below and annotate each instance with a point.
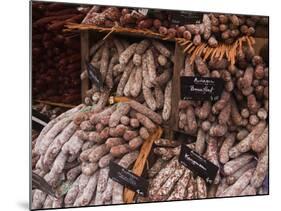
(233, 131)
(55, 54)
(175, 182)
(170, 180)
(244, 100)
(74, 150)
(139, 70)
(214, 27)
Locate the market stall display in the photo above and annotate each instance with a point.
(174, 107)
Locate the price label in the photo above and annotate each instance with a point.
(128, 179)
(201, 88)
(198, 164)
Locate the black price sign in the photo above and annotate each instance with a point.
(183, 18)
(128, 179)
(201, 88)
(197, 164)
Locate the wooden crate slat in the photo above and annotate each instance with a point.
(178, 65)
(84, 55)
(141, 161)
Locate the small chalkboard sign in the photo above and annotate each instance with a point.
(198, 164)
(185, 17)
(128, 179)
(201, 88)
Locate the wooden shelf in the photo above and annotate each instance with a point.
(63, 105)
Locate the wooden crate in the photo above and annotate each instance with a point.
(90, 36)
